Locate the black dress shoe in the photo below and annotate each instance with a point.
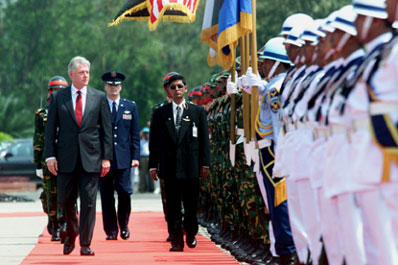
(62, 232)
(125, 233)
(289, 259)
(55, 235)
(191, 241)
(176, 248)
(69, 245)
(86, 251)
(111, 237)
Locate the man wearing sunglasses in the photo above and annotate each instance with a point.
(179, 154)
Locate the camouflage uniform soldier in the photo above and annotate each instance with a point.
(49, 194)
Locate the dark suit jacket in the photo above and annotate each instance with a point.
(126, 135)
(179, 157)
(65, 140)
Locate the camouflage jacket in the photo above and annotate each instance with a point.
(38, 138)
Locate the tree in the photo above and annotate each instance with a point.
(39, 37)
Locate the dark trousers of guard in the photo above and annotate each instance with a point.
(279, 214)
(120, 181)
(187, 192)
(84, 184)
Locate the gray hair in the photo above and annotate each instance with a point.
(76, 61)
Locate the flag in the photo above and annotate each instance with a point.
(210, 29)
(132, 9)
(234, 21)
(155, 10)
(224, 22)
(158, 8)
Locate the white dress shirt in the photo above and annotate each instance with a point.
(182, 105)
(74, 96)
(110, 103)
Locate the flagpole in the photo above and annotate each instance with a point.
(233, 104)
(254, 90)
(245, 95)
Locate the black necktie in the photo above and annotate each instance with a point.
(178, 119)
(114, 112)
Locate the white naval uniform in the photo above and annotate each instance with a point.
(367, 169)
(339, 182)
(330, 220)
(290, 155)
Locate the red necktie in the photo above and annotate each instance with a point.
(78, 108)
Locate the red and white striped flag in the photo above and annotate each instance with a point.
(177, 11)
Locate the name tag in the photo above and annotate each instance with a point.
(127, 116)
(194, 131)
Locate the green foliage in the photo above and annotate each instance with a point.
(39, 37)
(5, 137)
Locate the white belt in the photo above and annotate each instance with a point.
(337, 129)
(263, 143)
(360, 124)
(301, 125)
(239, 131)
(377, 108)
(290, 127)
(318, 133)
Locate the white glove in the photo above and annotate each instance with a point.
(252, 78)
(242, 82)
(232, 87)
(39, 173)
(249, 80)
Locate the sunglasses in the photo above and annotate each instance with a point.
(177, 86)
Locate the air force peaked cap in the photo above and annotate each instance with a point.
(113, 78)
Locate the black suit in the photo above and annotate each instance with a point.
(79, 151)
(179, 157)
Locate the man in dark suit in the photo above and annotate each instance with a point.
(126, 153)
(179, 154)
(78, 148)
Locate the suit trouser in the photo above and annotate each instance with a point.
(146, 182)
(186, 191)
(120, 181)
(70, 185)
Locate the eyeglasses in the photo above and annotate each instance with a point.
(174, 87)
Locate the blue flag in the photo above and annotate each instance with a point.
(234, 21)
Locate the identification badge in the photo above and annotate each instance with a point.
(127, 117)
(194, 131)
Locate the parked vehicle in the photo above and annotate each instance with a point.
(16, 160)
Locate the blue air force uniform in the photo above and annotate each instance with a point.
(126, 147)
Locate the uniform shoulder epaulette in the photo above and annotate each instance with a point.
(129, 101)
